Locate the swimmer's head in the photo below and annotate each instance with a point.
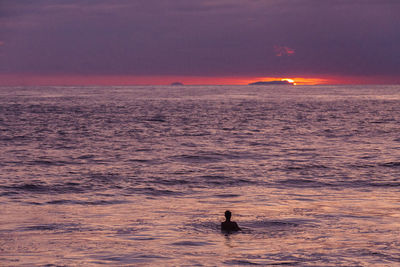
(228, 215)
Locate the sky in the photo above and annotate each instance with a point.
(69, 42)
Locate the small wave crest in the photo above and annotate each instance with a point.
(191, 243)
(303, 182)
(53, 227)
(43, 188)
(224, 180)
(90, 203)
(152, 191)
(392, 164)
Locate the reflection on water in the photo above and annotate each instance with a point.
(142, 176)
(346, 228)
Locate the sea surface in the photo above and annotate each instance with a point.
(142, 175)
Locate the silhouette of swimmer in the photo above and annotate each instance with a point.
(228, 225)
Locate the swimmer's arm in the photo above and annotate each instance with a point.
(237, 227)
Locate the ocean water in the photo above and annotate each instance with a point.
(141, 176)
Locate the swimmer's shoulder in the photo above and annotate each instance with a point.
(230, 226)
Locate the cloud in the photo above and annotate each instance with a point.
(200, 38)
(283, 51)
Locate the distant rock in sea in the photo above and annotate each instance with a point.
(176, 84)
(272, 83)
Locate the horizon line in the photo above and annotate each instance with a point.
(167, 80)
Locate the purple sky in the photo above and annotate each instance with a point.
(276, 38)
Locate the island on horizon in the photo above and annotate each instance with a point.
(272, 83)
(176, 83)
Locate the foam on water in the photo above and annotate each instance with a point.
(142, 175)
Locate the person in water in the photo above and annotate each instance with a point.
(228, 225)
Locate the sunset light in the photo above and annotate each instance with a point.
(187, 133)
(289, 80)
(299, 80)
(25, 79)
(65, 80)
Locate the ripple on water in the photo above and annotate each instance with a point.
(76, 158)
(90, 203)
(393, 164)
(302, 182)
(130, 259)
(227, 195)
(197, 158)
(152, 191)
(240, 262)
(223, 180)
(54, 227)
(267, 224)
(192, 243)
(46, 189)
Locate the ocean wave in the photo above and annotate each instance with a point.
(392, 164)
(43, 188)
(302, 182)
(90, 203)
(151, 191)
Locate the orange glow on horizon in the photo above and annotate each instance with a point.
(76, 80)
(298, 80)
(290, 80)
